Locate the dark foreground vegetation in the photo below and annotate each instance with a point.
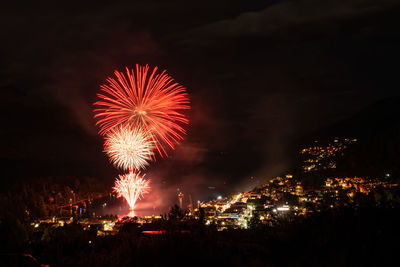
(339, 237)
(49, 196)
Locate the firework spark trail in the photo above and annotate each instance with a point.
(132, 187)
(151, 101)
(129, 148)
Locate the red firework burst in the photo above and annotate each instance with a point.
(144, 99)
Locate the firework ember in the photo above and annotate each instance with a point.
(145, 99)
(132, 187)
(129, 148)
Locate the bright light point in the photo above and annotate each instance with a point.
(283, 208)
(219, 197)
(140, 112)
(131, 213)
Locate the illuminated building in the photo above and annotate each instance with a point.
(180, 198)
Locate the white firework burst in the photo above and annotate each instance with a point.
(131, 186)
(129, 148)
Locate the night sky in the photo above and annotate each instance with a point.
(261, 75)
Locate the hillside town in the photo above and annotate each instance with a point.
(281, 198)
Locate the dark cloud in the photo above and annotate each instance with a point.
(288, 14)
